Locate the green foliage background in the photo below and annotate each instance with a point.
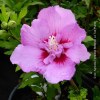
(14, 13)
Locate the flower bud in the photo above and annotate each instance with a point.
(11, 24)
(3, 34)
(4, 25)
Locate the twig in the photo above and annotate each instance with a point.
(73, 84)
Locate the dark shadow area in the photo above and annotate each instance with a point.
(8, 77)
(23, 94)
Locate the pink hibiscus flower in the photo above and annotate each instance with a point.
(52, 45)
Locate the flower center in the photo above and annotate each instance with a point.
(53, 49)
(53, 45)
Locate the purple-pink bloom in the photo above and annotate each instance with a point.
(52, 45)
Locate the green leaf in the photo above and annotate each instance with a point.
(77, 95)
(33, 80)
(57, 86)
(85, 67)
(83, 93)
(25, 79)
(80, 11)
(13, 16)
(8, 44)
(88, 38)
(1, 3)
(8, 52)
(22, 14)
(96, 93)
(36, 88)
(5, 15)
(78, 77)
(9, 3)
(3, 10)
(87, 3)
(51, 92)
(16, 31)
(26, 75)
(89, 41)
(18, 6)
(96, 98)
(36, 3)
(17, 69)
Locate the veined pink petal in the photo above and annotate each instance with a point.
(28, 58)
(27, 36)
(59, 72)
(78, 53)
(72, 33)
(57, 18)
(41, 28)
(35, 34)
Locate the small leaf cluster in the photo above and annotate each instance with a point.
(78, 95)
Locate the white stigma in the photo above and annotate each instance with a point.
(52, 43)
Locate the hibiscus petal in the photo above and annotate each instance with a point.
(59, 72)
(41, 28)
(57, 18)
(73, 33)
(27, 58)
(78, 53)
(33, 35)
(27, 35)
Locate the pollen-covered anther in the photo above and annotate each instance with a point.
(53, 45)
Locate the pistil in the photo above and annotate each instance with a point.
(53, 45)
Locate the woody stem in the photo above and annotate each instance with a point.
(73, 84)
